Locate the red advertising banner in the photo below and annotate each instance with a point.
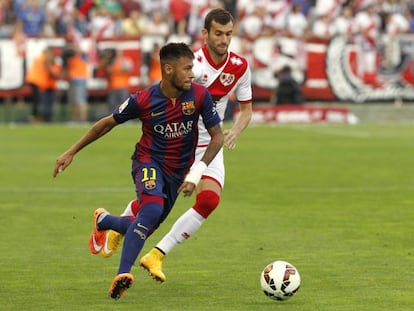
(342, 69)
(300, 114)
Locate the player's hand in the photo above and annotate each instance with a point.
(187, 188)
(230, 138)
(62, 163)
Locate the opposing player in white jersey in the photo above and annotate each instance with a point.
(223, 73)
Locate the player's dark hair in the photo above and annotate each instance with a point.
(173, 51)
(220, 16)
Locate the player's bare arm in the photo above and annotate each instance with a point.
(98, 130)
(242, 121)
(194, 176)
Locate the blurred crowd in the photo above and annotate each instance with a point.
(372, 24)
(324, 18)
(111, 18)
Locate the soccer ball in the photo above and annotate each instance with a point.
(280, 280)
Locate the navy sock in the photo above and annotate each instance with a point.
(148, 217)
(117, 223)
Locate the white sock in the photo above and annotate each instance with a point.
(182, 229)
(128, 210)
(101, 217)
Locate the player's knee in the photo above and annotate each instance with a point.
(149, 216)
(151, 210)
(206, 202)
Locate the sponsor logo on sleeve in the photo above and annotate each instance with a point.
(123, 106)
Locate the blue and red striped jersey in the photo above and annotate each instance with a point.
(169, 126)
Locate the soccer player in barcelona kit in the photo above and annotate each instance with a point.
(169, 112)
(223, 73)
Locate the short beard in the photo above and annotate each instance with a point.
(178, 87)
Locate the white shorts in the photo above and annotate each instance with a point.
(215, 170)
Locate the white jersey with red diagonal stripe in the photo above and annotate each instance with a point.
(231, 76)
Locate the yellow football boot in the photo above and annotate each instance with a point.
(112, 242)
(152, 262)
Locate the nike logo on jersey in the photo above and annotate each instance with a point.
(155, 114)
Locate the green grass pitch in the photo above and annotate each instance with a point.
(337, 201)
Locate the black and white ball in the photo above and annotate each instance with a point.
(280, 280)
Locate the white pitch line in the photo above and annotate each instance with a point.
(345, 132)
(278, 189)
(331, 189)
(65, 190)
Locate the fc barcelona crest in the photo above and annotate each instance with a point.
(188, 108)
(149, 184)
(226, 78)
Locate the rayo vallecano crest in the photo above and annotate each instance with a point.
(226, 78)
(188, 108)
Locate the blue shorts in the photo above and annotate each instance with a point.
(151, 180)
